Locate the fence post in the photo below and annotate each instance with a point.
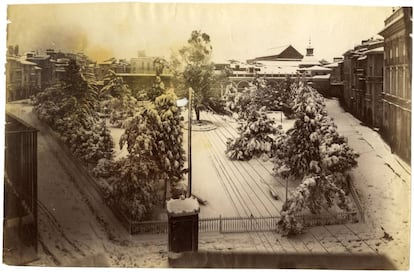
(251, 222)
(220, 226)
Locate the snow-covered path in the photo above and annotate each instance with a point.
(383, 182)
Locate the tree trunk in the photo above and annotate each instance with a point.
(165, 193)
(197, 111)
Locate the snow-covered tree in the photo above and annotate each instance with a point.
(69, 108)
(192, 67)
(154, 141)
(238, 102)
(135, 190)
(170, 149)
(157, 89)
(255, 137)
(314, 152)
(117, 99)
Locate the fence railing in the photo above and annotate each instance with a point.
(245, 224)
(20, 176)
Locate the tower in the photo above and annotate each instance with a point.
(309, 49)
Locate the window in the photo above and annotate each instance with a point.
(396, 51)
(390, 53)
(403, 82)
(397, 91)
(403, 49)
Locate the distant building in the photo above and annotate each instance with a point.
(374, 86)
(103, 67)
(288, 53)
(23, 78)
(354, 70)
(309, 60)
(47, 72)
(319, 78)
(335, 80)
(61, 65)
(139, 82)
(142, 64)
(396, 125)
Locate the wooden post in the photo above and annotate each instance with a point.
(220, 226)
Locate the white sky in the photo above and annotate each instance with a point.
(238, 31)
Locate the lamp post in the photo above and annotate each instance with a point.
(182, 103)
(190, 90)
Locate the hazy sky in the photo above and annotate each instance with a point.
(238, 31)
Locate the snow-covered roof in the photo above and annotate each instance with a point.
(362, 57)
(285, 52)
(140, 75)
(310, 60)
(278, 70)
(25, 62)
(317, 68)
(279, 63)
(37, 68)
(331, 65)
(327, 76)
(375, 50)
(186, 206)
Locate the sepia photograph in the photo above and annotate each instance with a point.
(268, 135)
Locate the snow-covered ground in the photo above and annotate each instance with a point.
(383, 182)
(87, 234)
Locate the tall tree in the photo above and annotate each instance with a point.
(135, 189)
(170, 141)
(154, 140)
(193, 69)
(315, 153)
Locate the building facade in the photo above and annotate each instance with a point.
(43, 61)
(23, 78)
(396, 126)
(361, 65)
(143, 64)
(374, 87)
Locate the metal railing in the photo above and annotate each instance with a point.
(21, 176)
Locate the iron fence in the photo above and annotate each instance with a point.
(245, 224)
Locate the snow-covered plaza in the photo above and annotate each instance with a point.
(76, 228)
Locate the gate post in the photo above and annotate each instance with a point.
(183, 224)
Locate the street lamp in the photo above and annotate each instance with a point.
(182, 103)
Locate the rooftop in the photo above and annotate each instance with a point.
(279, 53)
(377, 50)
(317, 68)
(331, 65)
